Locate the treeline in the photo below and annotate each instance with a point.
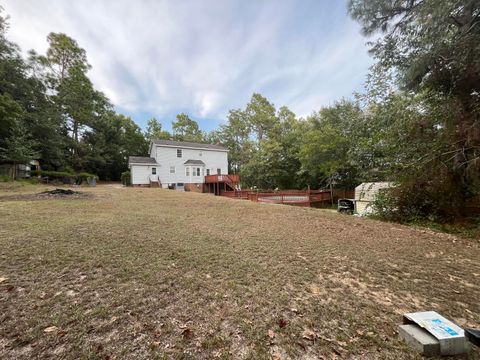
(49, 110)
(417, 123)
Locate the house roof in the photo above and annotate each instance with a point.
(187, 144)
(141, 160)
(194, 162)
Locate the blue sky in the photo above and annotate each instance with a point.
(204, 57)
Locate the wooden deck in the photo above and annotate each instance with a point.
(216, 184)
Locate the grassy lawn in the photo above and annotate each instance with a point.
(155, 274)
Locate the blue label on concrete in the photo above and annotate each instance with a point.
(439, 326)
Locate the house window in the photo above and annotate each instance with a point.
(208, 172)
(198, 171)
(154, 171)
(187, 171)
(172, 169)
(179, 153)
(200, 153)
(219, 171)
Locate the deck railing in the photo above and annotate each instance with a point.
(232, 178)
(290, 197)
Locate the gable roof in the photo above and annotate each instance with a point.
(141, 160)
(193, 162)
(188, 144)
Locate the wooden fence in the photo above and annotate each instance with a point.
(289, 197)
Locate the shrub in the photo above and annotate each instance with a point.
(126, 178)
(5, 178)
(419, 200)
(85, 176)
(53, 174)
(64, 176)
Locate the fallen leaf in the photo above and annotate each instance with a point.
(309, 335)
(282, 323)
(360, 332)
(50, 329)
(187, 333)
(271, 334)
(2, 279)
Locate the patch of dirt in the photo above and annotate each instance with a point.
(49, 194)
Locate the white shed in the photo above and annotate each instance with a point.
(365, 194)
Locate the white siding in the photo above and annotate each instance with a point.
(167, 157)
(366, 193)
(141, 174)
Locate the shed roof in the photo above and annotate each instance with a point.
(189, 144)
(141, 160)
(368, 191)
(194, 162)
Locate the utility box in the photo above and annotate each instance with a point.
(432, 334)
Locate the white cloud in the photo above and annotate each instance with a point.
(204, 57)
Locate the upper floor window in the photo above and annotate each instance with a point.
(154, 171)
(208, 171)
(198, 171)
(200, 153)
(172, 169)
(179, 153)
(219, 171)
(187, 171)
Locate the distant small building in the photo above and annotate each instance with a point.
(365, 195)
(19, 171)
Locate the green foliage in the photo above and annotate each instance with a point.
(18, 147)
(186, 129)
(64, 175)
(427, 137)
(5, 178)
(50, 111)
(328, 145)
(155, 132)
(126, 178)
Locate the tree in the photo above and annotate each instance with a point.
(32, 108)
(154, 131)
(235, 135)
(186, 129)
(261, 116)
(327, 146)
(63, 54)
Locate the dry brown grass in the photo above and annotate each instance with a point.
(149, 273)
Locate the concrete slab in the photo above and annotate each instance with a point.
(420, 339)
(450, 336)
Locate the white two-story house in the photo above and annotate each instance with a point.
(178, 164)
